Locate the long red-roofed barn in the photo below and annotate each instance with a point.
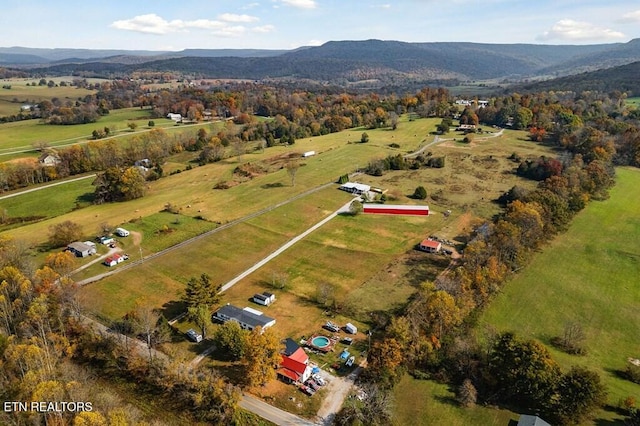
(400, 209)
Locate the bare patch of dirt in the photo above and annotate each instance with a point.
(249, 171)
(137, 238)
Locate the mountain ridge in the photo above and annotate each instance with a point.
(345, 62)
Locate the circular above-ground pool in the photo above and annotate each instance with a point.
(320, 342)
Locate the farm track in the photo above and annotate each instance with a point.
(201, 236)
(26, 191)
(85, 139)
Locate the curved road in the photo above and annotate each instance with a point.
(271, 413)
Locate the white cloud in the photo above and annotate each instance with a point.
(232, 17)
(154, 24)
(630, 17)
(570, 30)
(151, 23)
(250, 6)
(382, 6)
(315, 43)
(302, 4)
(263, 29)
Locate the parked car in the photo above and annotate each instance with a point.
(347, 340)
(193, 336)
(332, 327)
(307, 390)
(350, 361)
(312, 384)
(319, 380)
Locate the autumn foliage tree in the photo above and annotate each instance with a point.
(385, 362)
(64, 233)
(119, 184)
(262, 355)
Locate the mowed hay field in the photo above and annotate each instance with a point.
(194, 187)
(222, 255)
(589, 275)
(23, 134)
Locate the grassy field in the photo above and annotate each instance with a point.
(195, 187)
(48, 203)
(633, 101)
(20, 94)
(373, 248)
(588, 275)
(160, 281)
(22, 134)
(424, 402)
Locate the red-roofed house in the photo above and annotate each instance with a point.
(295, 364)
(430, 246)
(114, 260)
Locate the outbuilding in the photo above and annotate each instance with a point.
(430, 246)
(113, 260)
(355, 188)
(264, 298)
(81, 249)
(396, 209)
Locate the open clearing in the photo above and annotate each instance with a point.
(588, 275)
(20, 94)
(425, 402)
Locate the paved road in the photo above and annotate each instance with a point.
(273, 414)
(15, 194)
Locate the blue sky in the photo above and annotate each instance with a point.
(287, 24)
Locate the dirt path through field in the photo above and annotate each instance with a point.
(137, 238)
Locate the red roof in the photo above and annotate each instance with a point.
(430, 243)
(296, 362)
(290, 374)
(300, 356)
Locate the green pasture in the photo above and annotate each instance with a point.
(348, 253)
(425, 402)
(635, 101)
(20, 94)
(195, 187)
(47, 203)
(222, 255)
(193, 194)
(588, 275)
(156, 232)
(23, 134)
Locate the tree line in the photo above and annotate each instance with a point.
(49, 352)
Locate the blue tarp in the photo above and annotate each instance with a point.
(315, 370)
(345, 354)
